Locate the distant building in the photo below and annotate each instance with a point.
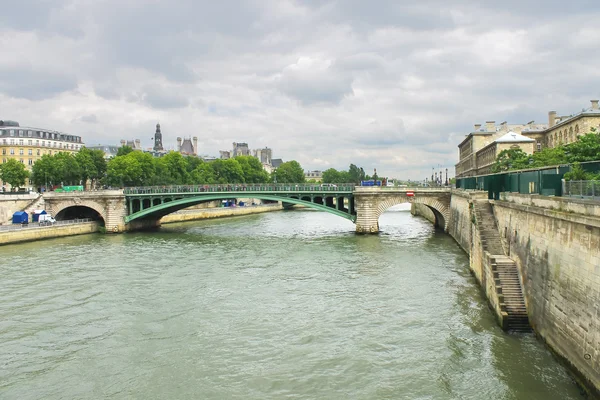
(276, 162)
(313, 176)
(240, 149)
(224, 155)
(480, 148)
(186, 147)
(134, 144)
(158, 144)
(110, 151)
(27, 144)
(264, 155)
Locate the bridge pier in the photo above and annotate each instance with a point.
(367, 213)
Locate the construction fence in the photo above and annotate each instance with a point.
(547, 181)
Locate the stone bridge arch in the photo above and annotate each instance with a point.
(369, 209)
(58, 207)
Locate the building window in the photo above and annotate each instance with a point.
(539, 146)
(12, 132)
(37, 142)
(576, 129)
(30, 152)
(4, 142)
(29, 133)
(54, 144)
(21, 151)
(30, 161)
(3, 152)
(20, 142)
(20, 133)
(12, 141)
(43, 143)
(38, 152)
(12, 152)
(30, 142)
(22, 161)
(4, 160)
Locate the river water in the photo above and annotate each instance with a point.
(271, 306)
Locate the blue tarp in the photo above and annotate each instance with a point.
(36, 215)
(20, 217)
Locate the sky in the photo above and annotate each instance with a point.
(391, 85)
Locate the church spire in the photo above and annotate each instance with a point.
(158, 146)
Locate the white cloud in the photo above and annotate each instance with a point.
(382, 84)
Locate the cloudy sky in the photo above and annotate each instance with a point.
(392, 85)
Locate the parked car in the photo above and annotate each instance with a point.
(46, 219)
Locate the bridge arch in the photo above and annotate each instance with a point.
(82, 208)
(439, 209)
(155, 212)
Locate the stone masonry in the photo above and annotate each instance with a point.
(109, 204)
(370, 203)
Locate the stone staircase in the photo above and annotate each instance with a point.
(37, 204)
(506, 275)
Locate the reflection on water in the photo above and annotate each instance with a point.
(278, 305)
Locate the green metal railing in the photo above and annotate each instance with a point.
(271, 187)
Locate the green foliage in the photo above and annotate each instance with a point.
(124, 150)
(228, 171)
(14, 173)
(586, 148)
(252, 169)
(288, 172)
(510, 159)
(577, 173)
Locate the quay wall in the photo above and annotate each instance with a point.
(422, 210)
(11, 203)
(217, 212)
(47, 232)
(555, 243)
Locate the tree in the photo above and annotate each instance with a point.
(124, 171)
(586, 148)
(87, 167)
(289, 172)
(252, 169)
(14, 173)
(228, 171)
(67, 170)
(355, 174)
(174, 171)
(331, 175)
(510, 159)
(44, 171)
(203, 174)
(124, 150)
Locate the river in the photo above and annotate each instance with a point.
(287, 304)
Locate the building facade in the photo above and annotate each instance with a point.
(313, 176)
(478, 148)
(186, 147)
(28, 144)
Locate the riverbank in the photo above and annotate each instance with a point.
(217, 212)
(554, 245)
(48, 232)
(33, 233)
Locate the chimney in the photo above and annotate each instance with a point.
(178, 144)
(490, 126)
(551, 118)
(477, 127)
(594, 104)
(138, 144)
(195, 145)
(503, 126)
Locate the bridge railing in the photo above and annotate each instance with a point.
(270, 187)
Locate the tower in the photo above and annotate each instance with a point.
(158, 146)
(195, 139)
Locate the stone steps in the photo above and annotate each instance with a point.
(504, 270)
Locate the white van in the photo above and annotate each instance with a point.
(46, 219)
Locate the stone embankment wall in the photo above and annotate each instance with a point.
(217, 212)
(556, 245)
(47, 232)
(422, 210)
(9, 204)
